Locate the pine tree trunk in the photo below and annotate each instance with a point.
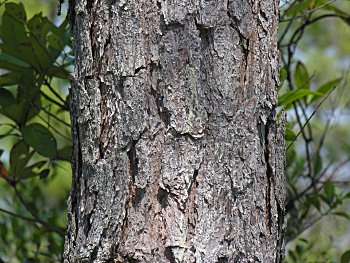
(178, 156)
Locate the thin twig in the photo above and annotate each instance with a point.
(48, 84)
(19, 216)
(53, 101)
(36, 217)
(307, 12)
(316, 109)
(52, 115)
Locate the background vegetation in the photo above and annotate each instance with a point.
(35, 141)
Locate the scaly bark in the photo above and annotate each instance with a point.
(178, 156)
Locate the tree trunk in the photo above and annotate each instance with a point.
(178, 156)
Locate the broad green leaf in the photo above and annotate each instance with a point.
(298, 8)
(19, 156)
(28, 101)
(30, 171)
(290, 135)
(35, 24)
(9, 66)
(342, 214)
(283, 75)
(325, 88)
(14, 112)
(28, 89)
(347, 195)
(64, 153)
(42, 56)
(57, 72)
(22, 111)
(329, 192)
(301, 76)
(294, 95)
(315, 201)
(16, 64)
(41, 139)
(6, 98)
(16, 11)
(345, 257)
(9, 134)
(8, 79)
(318, 163)
(336, 10)
(55, 42)
(13, 34)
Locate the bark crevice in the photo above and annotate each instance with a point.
(167, 163)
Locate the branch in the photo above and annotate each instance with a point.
(53, 101)
(307, 12)
(37, 219)
(314, 112)
(48, 84)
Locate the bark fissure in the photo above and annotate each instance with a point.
(170, 167)
(269, 175)
(133, 171)
(77, 164)
(163, 112)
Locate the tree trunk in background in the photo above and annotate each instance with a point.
(178, 156)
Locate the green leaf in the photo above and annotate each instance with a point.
(64, 153)
(55, 42)
(346, 196)
(283, 75)
(13, 34)
(294, 95)
(290, 135)
(57, 72)
(19, 156)
(342, 214)
(325, 88)
(16, 11)
(318, 163)
(329, 192)
(300, 7)
(22, 111)
(6, 98)
(9, 79)
(28, 101)
(43, 59)
(315, 201)
(301, 76)
(345, 258)
(336, 10)
(41, 139)
(30, 172)
(14, 112)
(35, 23)
(13, 63)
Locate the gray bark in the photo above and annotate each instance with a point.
(178, 156)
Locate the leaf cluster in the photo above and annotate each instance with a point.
(34, 124)
(314, 191)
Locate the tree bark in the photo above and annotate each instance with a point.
(178, 156)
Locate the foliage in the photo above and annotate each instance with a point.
(314, 189)
(34, 124)
(35, 127)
